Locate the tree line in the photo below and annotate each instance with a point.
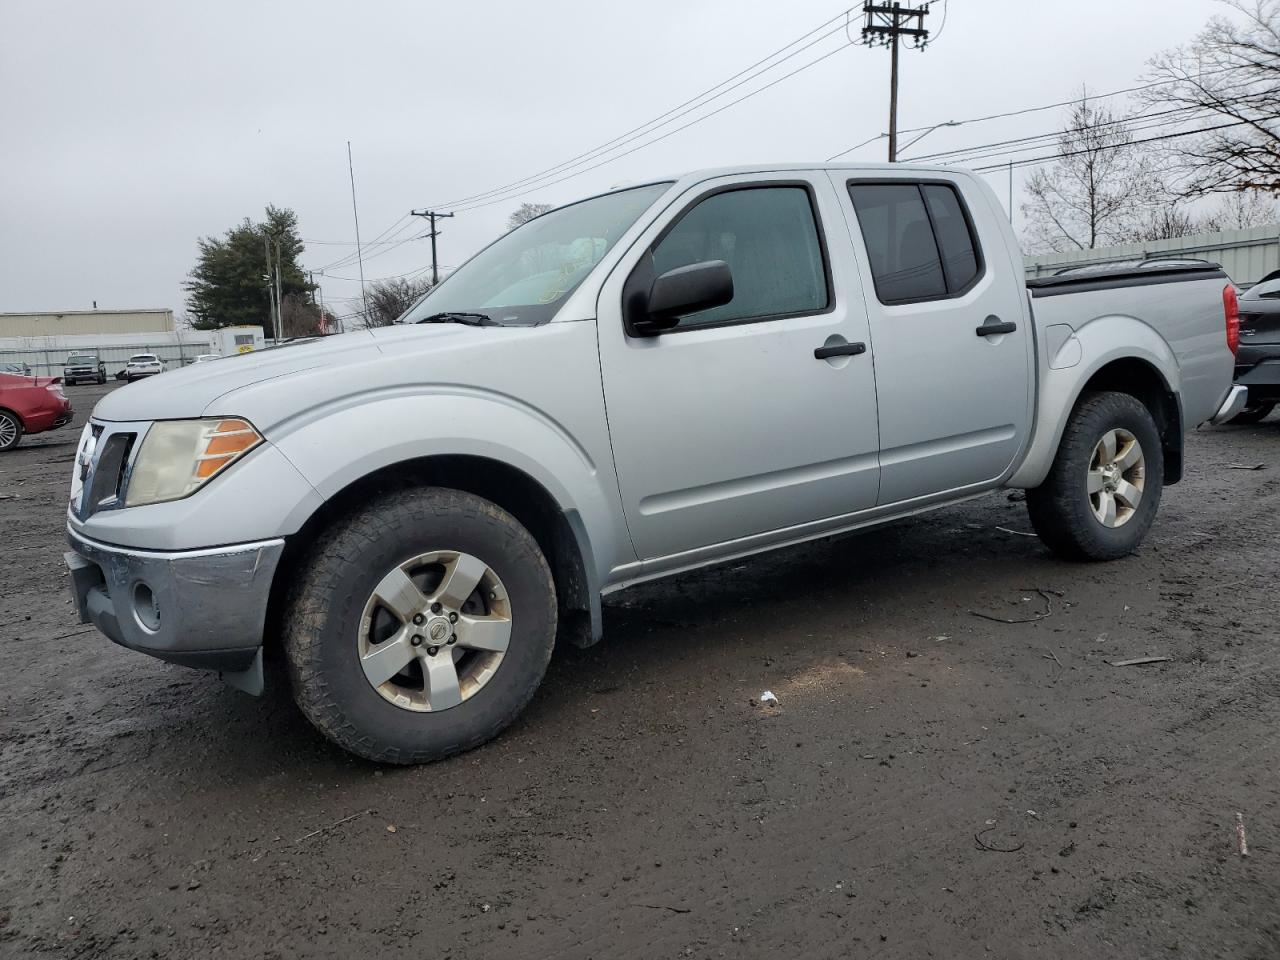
(1108, 186)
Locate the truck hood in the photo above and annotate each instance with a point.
(191, 390)
(187, 391)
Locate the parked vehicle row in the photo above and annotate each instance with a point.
(648, 381)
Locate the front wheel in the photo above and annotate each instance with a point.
(421, 626)
(1103, 490)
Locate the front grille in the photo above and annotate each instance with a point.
(108, 472)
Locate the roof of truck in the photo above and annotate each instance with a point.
(710, 173)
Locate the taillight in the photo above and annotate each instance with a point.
(1231, 313)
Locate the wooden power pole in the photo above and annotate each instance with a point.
(432, 217)
(884, 24)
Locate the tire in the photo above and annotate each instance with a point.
(1062, 509)
(102, 378)
(1254, 412)
(10, 430)
(328, 619)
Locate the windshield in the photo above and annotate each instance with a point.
(82, 358)
(143, 358)
(522, 278)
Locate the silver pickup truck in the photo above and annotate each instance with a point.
(648, 381)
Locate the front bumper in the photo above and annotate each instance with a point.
(198, 608)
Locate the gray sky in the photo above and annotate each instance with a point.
(132, 128)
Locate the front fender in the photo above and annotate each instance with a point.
(1066, 373)
(333, 448)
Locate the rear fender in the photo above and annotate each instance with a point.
(1066, 374)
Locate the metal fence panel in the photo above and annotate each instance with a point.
(49, 362)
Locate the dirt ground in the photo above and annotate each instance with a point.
(931, 784)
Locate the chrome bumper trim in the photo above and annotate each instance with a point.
(1236, 399)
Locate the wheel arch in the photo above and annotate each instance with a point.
(22, 424)
(1141, 380)
(560, 533)
(1124, 355)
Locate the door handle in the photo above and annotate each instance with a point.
(839, 350)
(993, 325)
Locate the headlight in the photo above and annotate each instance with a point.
(178, 456)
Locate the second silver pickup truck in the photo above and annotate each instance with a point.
(651, 380)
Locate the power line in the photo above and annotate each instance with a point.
(1032, 161)
(1006, 148)
(1036, 109)
(688, 106)
(664, 136)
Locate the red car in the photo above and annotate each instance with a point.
(30, 405)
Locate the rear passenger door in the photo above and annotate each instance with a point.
(953, 348)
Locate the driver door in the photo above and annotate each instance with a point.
(728, 426)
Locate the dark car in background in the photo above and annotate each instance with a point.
(1258, 361)
(84, 368)
(30, 405)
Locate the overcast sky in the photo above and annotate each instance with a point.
(132, 128)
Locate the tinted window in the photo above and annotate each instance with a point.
(1268, 289)
(895, 227)
(955, 240)
(769, 238)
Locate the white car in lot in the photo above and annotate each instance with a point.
(143, 365)
(206, 357)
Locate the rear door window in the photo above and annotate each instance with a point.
(918, 238)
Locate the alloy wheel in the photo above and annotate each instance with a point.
(1117, 475)
(434, 631)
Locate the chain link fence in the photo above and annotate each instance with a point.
(49, 362)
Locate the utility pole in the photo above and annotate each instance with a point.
(279, 297)
(271, 288)
(1011, 191)
(884, 24)
(431, 216)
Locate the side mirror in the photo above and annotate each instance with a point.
(685, 290)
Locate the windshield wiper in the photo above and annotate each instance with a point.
(470, 319)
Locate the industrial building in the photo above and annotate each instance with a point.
(67, 323)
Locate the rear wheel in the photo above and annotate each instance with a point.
(1254, 411)
(10, 430)
(421, 626)
(102, 378)
(1103, 490)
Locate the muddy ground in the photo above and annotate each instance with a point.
(932, 784)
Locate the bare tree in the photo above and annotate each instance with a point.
(1228, 78)
(389, 299)
(1165, 221)
(1244, 208)
(1100, 190)
(526, 212)
(299, 317)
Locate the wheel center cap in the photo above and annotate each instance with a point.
(438, 630)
